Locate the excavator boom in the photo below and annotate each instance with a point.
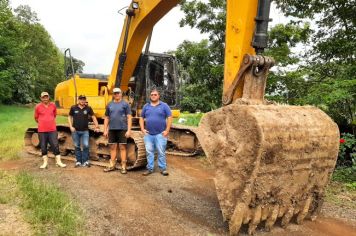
(141, 16)
(244, 20)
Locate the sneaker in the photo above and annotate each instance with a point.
(164, 173)
(147, 172)
(86, 164)
(123, 171)
(77, 164)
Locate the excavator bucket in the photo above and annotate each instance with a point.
(272, 162)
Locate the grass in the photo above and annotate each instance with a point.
(14, 121)
(190, 119)
(49, 209)
(342, 188)
(346, 176)
(8, 188)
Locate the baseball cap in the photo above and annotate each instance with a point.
(82, 97)
(44, 94)
(116, 90)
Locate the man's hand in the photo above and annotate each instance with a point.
(96, 129)
(72, 129)
(165, 133)
(144, 131)
(106, 134)
(128, 134)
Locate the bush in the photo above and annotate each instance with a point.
(346, 175)
(347, 150)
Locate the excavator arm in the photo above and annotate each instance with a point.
(141, 16)
(246, 33)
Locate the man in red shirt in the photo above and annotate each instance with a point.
(45, 116)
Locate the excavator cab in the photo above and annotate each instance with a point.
(159, 71)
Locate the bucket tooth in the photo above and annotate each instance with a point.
(282, 211)
(272, 218)
(256, 219)
(302, 214)
(247, 218)
(265, 213)
(317, 202)
(287, 217)
(237, 218)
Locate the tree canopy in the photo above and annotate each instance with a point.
(315, 54)
(30, 62)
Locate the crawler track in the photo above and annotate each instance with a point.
(182, 141)
(99, 148)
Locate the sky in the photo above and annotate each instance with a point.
(92, 28)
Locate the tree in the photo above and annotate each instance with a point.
(8, 47)
(78, 65)
(207, 62)
(29, 60)
(209, 18)
(330, 63)
(286, 81)
(205, 76)
(315, 61)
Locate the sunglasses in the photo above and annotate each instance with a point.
(117, 93)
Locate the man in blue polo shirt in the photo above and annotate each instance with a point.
(158, 118)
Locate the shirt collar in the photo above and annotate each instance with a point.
(159, 103)
(49, 104)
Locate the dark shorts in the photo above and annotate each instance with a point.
(117, 136)
(49, 138)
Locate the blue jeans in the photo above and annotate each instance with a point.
(156, 142)
(78, 138)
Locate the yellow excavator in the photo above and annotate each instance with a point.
(272, 161)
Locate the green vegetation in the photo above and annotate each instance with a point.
(347, 152)
(8, 188)
(49, 209)
(14, 120)
(13, 123)
(346, 176)
(30, 62)
(190, 119)
(314, 50)
(342, 188)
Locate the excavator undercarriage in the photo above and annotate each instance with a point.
(182, 141)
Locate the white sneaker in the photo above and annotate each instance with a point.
(77, 164)
(86, 164)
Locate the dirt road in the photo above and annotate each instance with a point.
(184, 203)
